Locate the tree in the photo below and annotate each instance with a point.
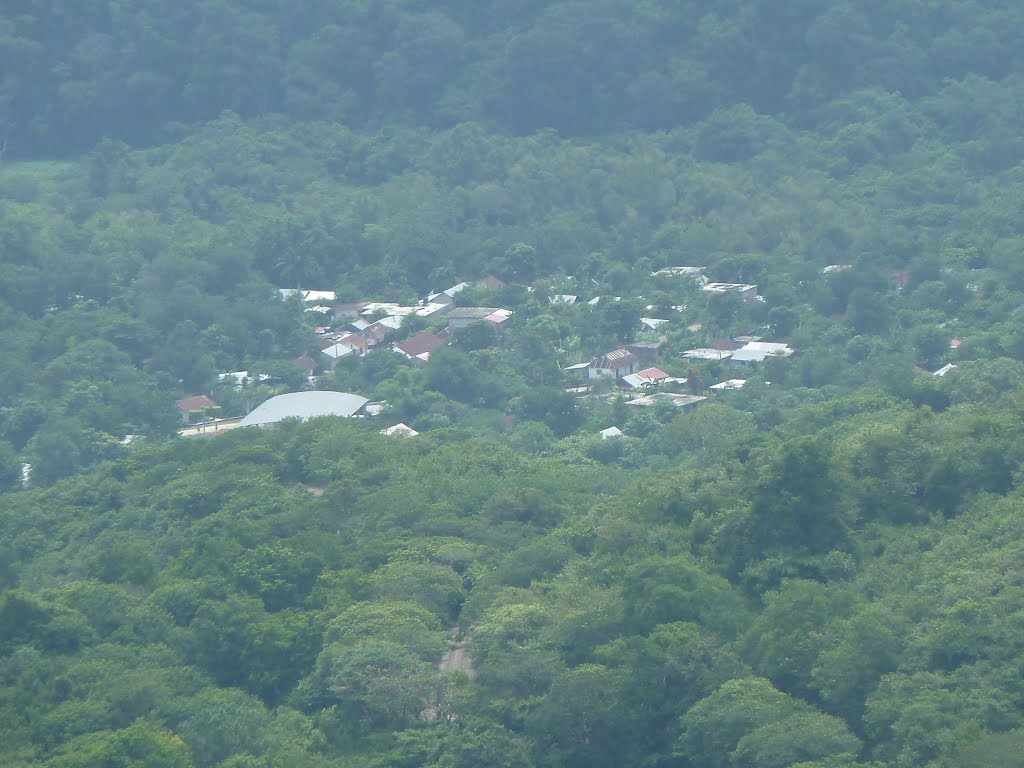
(713, 727)
(580, 722)
(800, 737)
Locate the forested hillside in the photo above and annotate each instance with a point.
(715, 555)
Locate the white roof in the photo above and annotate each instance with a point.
(756, 351)
(677, 271)
(706, 353)
(303, 405)
(944, 369)
(730, 384)
(726, 287)
(666, 397)
(338, 350)
(431, 308)
(636, 380)
(319, 296)
(457, 288)
(594, 301)
(652, 322)
(610, 432)
(403, 430)
(577, 367)
(563, 298)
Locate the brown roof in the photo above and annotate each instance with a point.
(652, 373)
(195, 403)
(421, 343)
(620, 358)
(306, 362)
(493, 283)
(353, 340)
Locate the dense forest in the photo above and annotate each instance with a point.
(818, 567)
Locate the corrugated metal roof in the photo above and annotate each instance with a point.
(303, 405)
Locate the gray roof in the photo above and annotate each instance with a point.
(303, 405)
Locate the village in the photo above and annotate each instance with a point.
(351, 330)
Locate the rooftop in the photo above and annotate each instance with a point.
(303, 405)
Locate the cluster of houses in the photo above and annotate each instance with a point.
(358, 328)
(362, 327)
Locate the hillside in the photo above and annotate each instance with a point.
(706, 317)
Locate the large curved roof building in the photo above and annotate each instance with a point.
(303, 405)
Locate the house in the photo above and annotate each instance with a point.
(374, 334)
(833, 268)
(724, 386)
(492, 283)
(355, 341)
(646, 350)
(433, 309)
(195, 408)
(401, 430)
(610, 432)
(684, 402)
(335, 352)
(344, 312)
(447, 296)
(463, 316)
(743, 290)
(306, 363)
(944, 370)
(955, 343)
(563, 298)
(757, 351)
(707, 353)
(651, 323)
(693, 272)
(307, 296)
(614, 364)
(419, 346)
(648, 377)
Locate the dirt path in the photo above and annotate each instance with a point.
(457, 659)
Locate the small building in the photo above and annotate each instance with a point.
(707, 353)
(420, 346)
(651, 323)
(694, 272)
(463, 316)
(685, 403)
(350, 311)
(758, 351)
(610, 432)
(743, 290)
(646, 350)
(944, 370)
(563, 298)
(400, 430)
(648, 377)
(615, 364)
(195, 408)
(725, 386)
(492, 283)
(335, 352)
(307, 363)
(831, 269)
(448, 295)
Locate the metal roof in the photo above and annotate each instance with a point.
(303, 405)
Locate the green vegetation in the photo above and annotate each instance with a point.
(817, 570)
